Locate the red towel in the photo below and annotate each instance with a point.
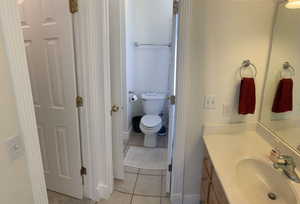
(283, 101)
(247, 96)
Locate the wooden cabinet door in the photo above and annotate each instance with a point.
(205, 186)
(212, 197)
(218, 189)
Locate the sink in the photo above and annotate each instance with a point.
(260, 183)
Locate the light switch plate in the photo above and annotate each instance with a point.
(15, 147)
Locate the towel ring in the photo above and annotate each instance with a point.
(288, 67)
(248, 64)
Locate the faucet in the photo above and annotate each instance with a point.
(288, 166)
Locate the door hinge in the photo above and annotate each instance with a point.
(79, 101)
(83, 171)
(175, 7)
(172, 100)
(170, 167)
(74, 6)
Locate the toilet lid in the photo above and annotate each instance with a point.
(151, 120)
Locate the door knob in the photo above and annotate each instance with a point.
(114, 109)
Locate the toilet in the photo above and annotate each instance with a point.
(151, 123)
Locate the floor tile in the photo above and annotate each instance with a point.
(163, 187)
(76, 201)
(130, 169)
(145, 200)
(136, 139)
(126, 185)
(165, 201)
(148, 185)
(151, 172)
(56, 198)
(162, 141)
(117, 198)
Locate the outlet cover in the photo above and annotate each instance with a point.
(210, 102)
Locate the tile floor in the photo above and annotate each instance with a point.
(137, 139)
(56, 198)
(140, 186)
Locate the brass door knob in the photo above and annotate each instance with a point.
(114, 109)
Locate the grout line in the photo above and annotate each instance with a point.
(144, 174)
(161, 183)
(131, 199)
(123, 192)
(148, 196)
(128, 172)
(135, 184)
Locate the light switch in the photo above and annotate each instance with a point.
(14, 147)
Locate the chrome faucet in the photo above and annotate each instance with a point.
(288, 166)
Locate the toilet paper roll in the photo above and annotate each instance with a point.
(133, 98)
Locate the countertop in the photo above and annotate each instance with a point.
(227, 150)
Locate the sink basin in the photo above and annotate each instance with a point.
(262, 184)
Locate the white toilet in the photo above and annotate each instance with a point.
(151, 123)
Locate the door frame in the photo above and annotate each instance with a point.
(177, 188)
(15, 50)
(92, 28)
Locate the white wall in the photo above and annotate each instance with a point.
(223, 34)
(147, 67)
(15, 186)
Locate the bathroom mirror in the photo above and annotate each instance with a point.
(281, 103)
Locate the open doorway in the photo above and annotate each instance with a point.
(146, 76)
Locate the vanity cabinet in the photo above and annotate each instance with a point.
(211, 189)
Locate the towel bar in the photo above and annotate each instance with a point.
(248, 64)
(287, 66)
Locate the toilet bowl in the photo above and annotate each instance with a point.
(150, 126)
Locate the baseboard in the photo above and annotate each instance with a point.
(191, 199)
(103, 192)
(126, 134)
(176, 199)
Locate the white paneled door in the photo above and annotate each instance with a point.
(48, 34)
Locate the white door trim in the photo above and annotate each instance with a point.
(92, 43)
(177, 187)
(15, 50)
(177, 190)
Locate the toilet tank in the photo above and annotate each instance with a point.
(153, 103)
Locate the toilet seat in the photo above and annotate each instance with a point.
(151, 121)
(150, 125)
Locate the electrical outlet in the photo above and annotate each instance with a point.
(210, 102)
